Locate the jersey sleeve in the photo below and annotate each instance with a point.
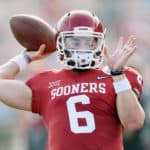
(135, 79)
(36, 95)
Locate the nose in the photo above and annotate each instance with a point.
(83, 44)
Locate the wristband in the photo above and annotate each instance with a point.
(21, 60)
(27, 57)
(121, 86)
(115, 72)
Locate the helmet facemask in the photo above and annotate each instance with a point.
(80, 48)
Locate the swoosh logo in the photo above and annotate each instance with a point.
(103, 77)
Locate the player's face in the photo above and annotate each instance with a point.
(80, 43)
(81, 49)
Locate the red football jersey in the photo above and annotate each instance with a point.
(79, 108)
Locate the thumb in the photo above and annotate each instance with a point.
(106, 53)
(42, 48)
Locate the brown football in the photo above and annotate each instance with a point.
(32, 31)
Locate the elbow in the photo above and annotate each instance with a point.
(134, 125)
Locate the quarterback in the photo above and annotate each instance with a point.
(85, 106)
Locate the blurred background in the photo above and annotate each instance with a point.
(21, 130)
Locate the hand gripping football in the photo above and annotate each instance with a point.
(32, 31)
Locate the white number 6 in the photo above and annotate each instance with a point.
(74, 115)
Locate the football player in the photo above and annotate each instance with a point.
(85, 106)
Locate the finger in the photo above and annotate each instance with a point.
(106, 53)
(130, 41)
(131, 45)
(133, 50)
(119, 44)
(127, 47)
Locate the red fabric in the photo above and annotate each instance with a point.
(67, 99)
(135, 79)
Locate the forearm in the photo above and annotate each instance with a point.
(130, 111)
(9, 70)
(15, 65)
(18, 63)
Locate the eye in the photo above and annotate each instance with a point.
(91, 43)
(76, 43)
